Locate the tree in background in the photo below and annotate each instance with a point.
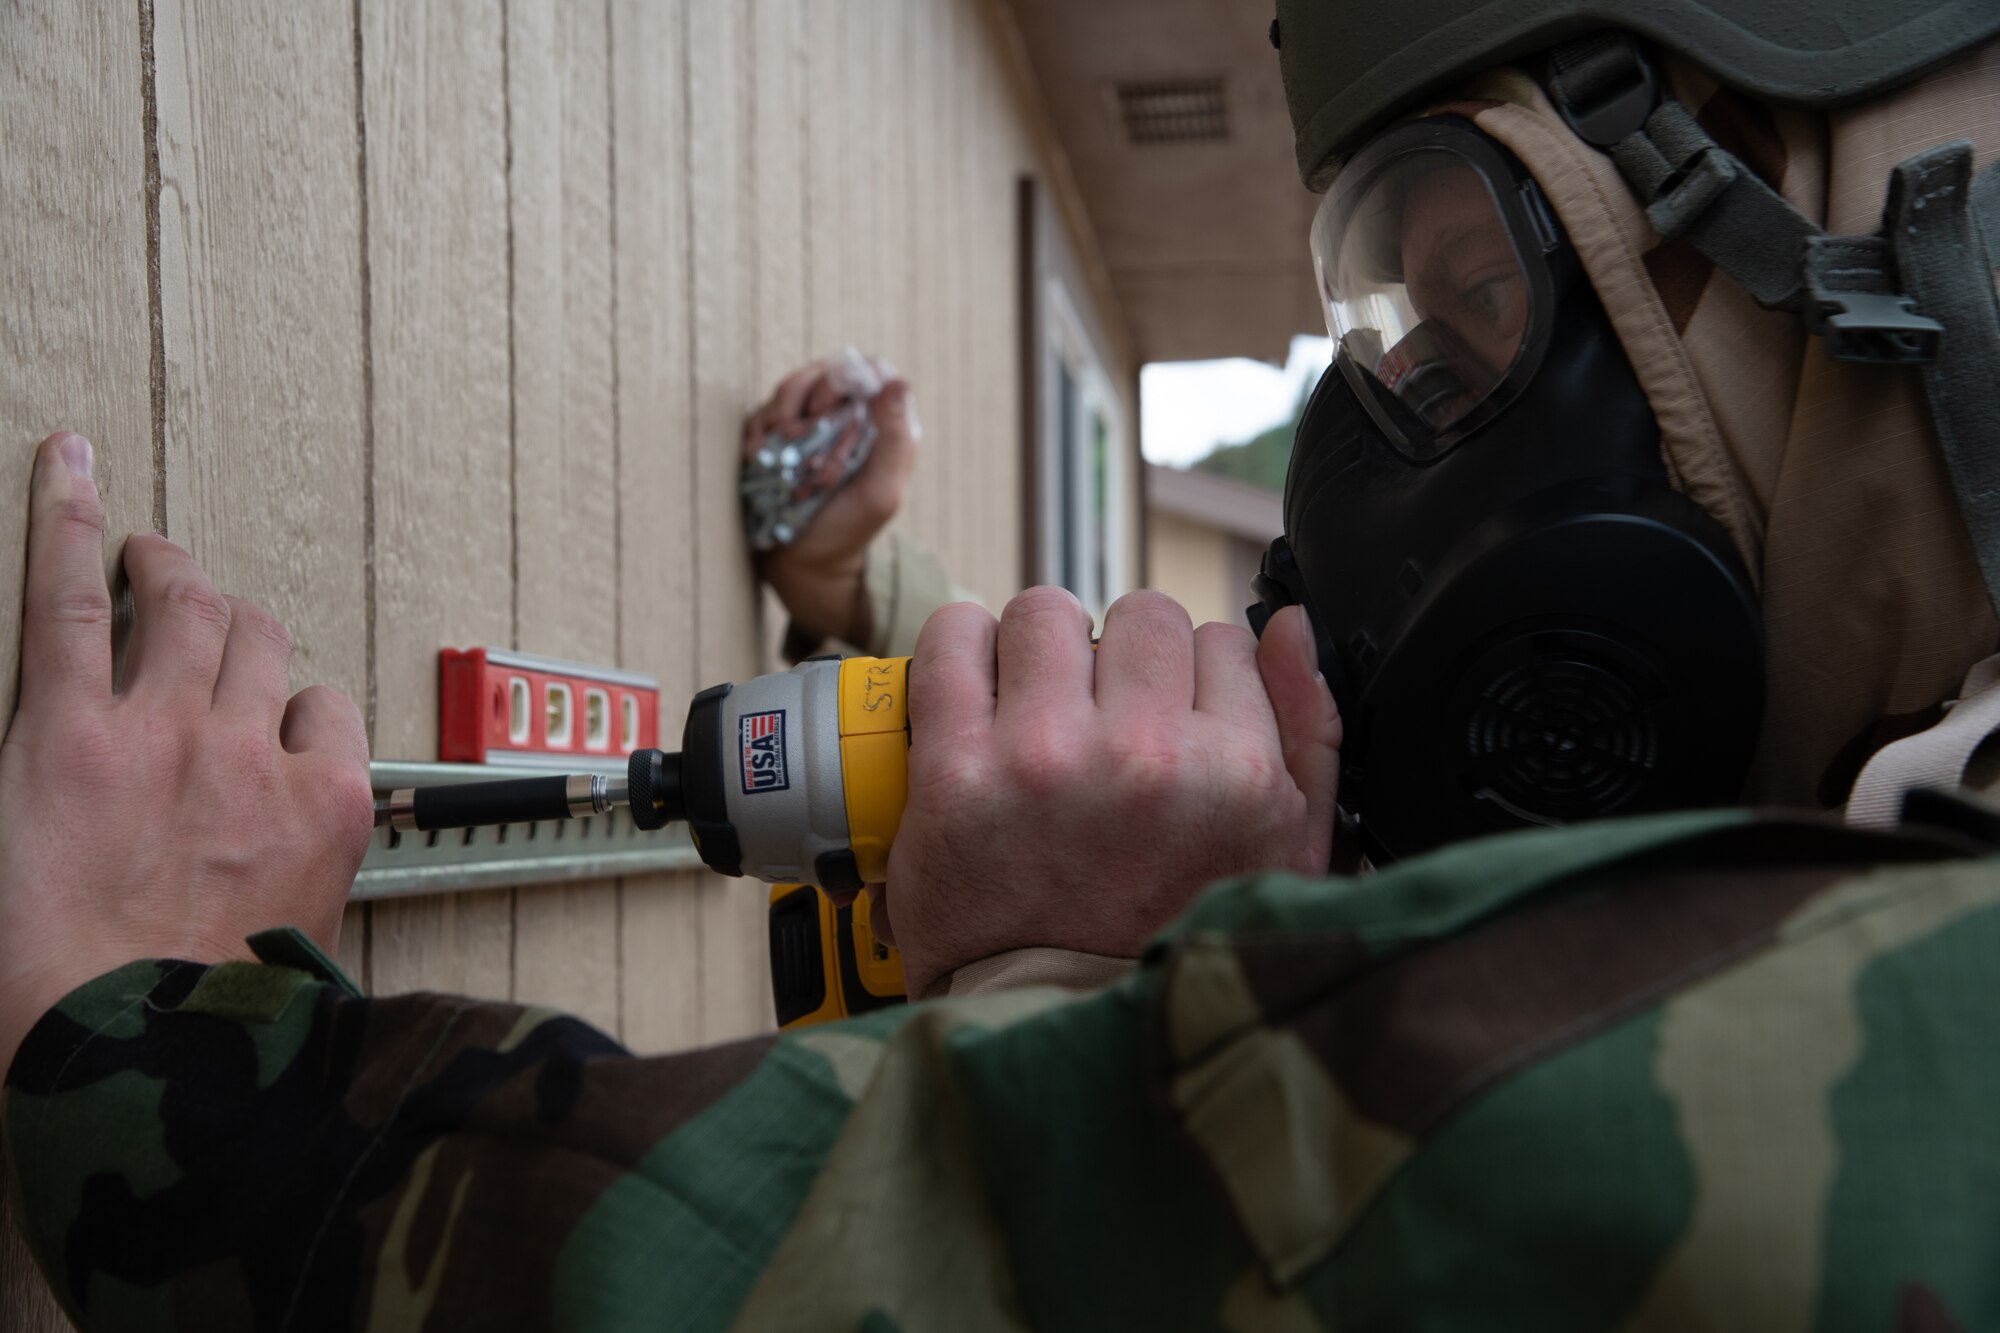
(1262, 459)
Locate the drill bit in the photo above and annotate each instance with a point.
(654, 776)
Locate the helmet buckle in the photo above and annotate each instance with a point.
(1604, 86)
(1849, 302)
(1868, 326)
(1687, 194)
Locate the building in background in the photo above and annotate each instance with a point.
(1205, 538)
(1171, 124)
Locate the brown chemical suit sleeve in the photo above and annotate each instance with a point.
(905, 583)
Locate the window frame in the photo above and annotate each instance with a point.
(1085, 546)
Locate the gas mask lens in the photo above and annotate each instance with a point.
(1428, 296)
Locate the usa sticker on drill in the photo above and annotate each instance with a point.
(764, 753)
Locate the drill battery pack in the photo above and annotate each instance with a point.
(826, 963)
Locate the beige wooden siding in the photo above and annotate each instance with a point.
(433, 324)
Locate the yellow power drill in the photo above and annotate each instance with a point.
(797, 778)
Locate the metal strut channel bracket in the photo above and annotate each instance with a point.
(400, 865)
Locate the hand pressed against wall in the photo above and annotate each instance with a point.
(1078, 800)
(818, 576)
(196, 806)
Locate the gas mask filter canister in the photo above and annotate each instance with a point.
(1522, 621)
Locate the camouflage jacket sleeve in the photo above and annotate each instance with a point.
(1681, 1073)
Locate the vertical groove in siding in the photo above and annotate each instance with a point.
(618, 564)
(968, 143)
(615, 576)
(803, 127)
(961, 428)
(358, 920)
(696, 623)
(367, 379)
(157, 359)
(822, 139)
(746, 91)
(513, 432)
(695, 558)
(910, 243)
(926, 278)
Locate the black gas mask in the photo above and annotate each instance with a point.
(1521, 620)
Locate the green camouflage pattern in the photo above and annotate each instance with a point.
(1685, 1073)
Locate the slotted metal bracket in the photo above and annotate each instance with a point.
(401, 865)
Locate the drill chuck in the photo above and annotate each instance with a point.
(653, 780)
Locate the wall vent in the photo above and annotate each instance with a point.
(1173, 111)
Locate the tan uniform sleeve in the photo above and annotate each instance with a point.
(1019, 968)
(905, 584)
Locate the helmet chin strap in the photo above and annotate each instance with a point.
(1919, 292)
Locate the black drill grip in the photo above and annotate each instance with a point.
(477, 804)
